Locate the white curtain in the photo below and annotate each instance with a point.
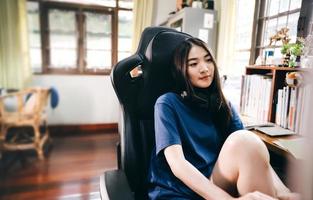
(15, 70)
(143, 13)
(226, 33)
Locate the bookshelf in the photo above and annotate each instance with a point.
(198, 22)
(288, 151)
(276, 76)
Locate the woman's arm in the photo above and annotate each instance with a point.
(196, 181)
(191, 176)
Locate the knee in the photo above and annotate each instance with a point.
(246, 143)
(244, 136)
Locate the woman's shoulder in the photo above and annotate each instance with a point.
(168, 98)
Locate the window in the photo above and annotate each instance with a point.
(62, 39)
(243, 35)
(85, 38)
(125, 19)
(274, 15)
(98, 41)
(34, 36)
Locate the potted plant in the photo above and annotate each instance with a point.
(285, 50)
(296, 50)
(292, 53)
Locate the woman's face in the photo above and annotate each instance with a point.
(200, 67)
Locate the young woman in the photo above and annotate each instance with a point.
(202, 151)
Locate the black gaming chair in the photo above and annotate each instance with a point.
(137, 96)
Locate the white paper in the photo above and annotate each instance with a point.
(208, 21)
(203, 35)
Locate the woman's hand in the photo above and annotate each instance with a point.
(256, 196)
(289, 196)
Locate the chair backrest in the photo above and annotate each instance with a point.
(137, 96)
(37, 101)
(29, 102)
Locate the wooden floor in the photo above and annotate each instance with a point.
(70, 171)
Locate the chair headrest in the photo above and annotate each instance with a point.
(155, 56)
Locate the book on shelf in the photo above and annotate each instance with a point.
(286, 96)
(279, 106)
(255, 96)
(304, 113)
(290, 107)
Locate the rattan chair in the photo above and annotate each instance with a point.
(21, 110)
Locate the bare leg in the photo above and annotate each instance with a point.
(243, 165)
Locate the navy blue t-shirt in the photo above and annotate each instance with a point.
(176, 123)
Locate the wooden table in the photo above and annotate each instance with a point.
(270, 143)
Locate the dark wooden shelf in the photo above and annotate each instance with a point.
(278, 75)
(272, 67)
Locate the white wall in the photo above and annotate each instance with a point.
(162, 9)
(83, 99)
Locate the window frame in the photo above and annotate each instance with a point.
(80, 68)
(258, 27)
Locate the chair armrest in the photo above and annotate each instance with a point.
(114, 186)
(119, 155)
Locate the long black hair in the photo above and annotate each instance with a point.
(213, 98)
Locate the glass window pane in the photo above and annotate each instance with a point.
(63, 38)
(292, 25)
(62, 20)
(99, 31)
(98, 40)
(270, 30)
(265, 36)
(34, 35)
(273, 7)
(241, 59)
(35, 55)
(284, 5)
(244, 23)
(34, 39)
(62, 29)
(122, 55)
(294, 4)
(33, 23)
(63, 58)
(126, 4)
(282, 22)
(124, 44)
(99, 59)
(125, 19)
